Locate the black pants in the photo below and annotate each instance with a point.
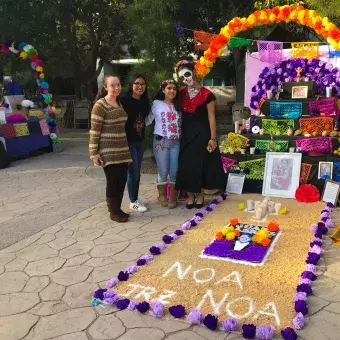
(116, 175)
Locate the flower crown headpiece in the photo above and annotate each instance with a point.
(180, 63)
(167, 82)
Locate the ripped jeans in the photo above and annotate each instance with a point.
(166, 153)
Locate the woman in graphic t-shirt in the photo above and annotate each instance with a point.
(136, 103)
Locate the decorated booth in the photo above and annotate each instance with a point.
(247, 263)
(20, 132)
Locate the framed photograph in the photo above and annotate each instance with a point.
(325, 170)
(299, 92)
(331, 192)
(235, 183)
(281, 174)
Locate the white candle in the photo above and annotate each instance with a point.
(277, 208)
(258, 213)
(252, 150)
(271, 206)
(237, 126)
(250, 205)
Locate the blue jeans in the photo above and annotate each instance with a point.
(166, 153)
(133, 180)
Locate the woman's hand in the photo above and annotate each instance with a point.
(213, 145)
(97, 160)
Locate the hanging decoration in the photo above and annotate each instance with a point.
(28, 52)
(308, 50)
(297, 14)
(270, 51)
(202, 40)
(236, 42)
(323, 74)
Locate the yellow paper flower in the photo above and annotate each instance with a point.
(227, 230)
(272, 17)
(325, 21)
(23, 55)
(219, 53)
(283, 211)
(39, 69)
(293, 15)
(42, 76)
(241, 206)
(230, 236)
(251, 19)
(263, 233)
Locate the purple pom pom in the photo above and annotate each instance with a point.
(123, 304)
(330, 223)
(310, 268)
(213, 206)
(157, 309)
(248, 331)
(193, 223)
(330, 205)
(305, 281)
(219, 199)
(186, 226)
(299, 321)
(324, 214)
(314, 228)
(99, 293)
(214, 201)
(179, 232)
(289, 334)
(195, 316)
(301, 307)
(155, 250)
(309, 275)
(143, 307)
(224, 196)
(199, 214)
(141, 262)
(210, 321)
(132, 305)
(300, 296)
(318, 234)
(167, 239)
(174, 236)
(147, 258)
(324, 219)
(304, 288)
(208, 209)
(316, 243)
(265, 332)
(111, 297)
(161, 246)
(313, 258)
(112, 282)
(177, 311)
(123, 276)
(132, 269)
(229, 325)
(322, 228)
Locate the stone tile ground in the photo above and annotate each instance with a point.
(48, 277)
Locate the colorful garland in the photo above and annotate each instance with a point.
(195, 316)
(297, 14)
(28, 52)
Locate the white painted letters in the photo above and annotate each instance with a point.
(180, 273)
(215, 305)
(269, 310)
(228, 278)
(168, 294)
(240, 316)
(146, 293)
(197, 280)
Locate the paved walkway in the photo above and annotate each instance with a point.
(68, 247)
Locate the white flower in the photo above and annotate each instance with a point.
(27, 103)
(53, 136)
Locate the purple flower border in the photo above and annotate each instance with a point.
(322, 73)
(210, 321)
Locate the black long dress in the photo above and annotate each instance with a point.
(198, 169)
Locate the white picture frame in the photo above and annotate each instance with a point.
(281, 174)
(325, 170)
(235, 183)
(331, 192)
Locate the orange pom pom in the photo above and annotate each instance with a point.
(272, 226)
(219, 236)
(237, 233)
(265, 242)
(233, 221)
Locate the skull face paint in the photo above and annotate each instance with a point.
(186, 76)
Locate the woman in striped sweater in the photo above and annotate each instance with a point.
(108, 144)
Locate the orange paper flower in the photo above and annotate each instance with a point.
(266, 242)
(272, 227)
(233, 221)
(237, 233)
(219, 236)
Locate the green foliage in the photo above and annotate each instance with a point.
(328, 8)
(272, 3)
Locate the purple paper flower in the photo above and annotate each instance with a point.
(147, 257)
(300, 296)
(313, 258)
(229, 325)
(177, 311)
(123, 304)
(112, 282)
(179, 232)
(330, 205)
(248, 331)
(195, 316)
(110, 297)
(316, 243)
(289, 334)
(208, 209)
(193, 223)
(186, 226)
(318, 234)
(324, 219)
(325, 214)
(210, 321)
(214, 201)
(299, 321)
(224, 196)
(304, 288)
(322, 228)
(143, 307)
(174, 236)
(167, 239)
(309, 275)
(132, 305)
(123, 276)
(305, 281)
(132, 269)
(99, 293)
(301, 307)
(161, 246)
(265, 332)
(213, 206)
(157, 309)
(219, 199)
(141, 262)
(155, 250)
(314, 228)
(330, 223)
(316, 250)
(310, 268)
(204, 212)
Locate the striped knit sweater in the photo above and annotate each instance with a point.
(107, 134)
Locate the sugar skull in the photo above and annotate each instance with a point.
(186, 76)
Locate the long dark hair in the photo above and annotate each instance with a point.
(145, 96)
(103, 92)
(161, 96)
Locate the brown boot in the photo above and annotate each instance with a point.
(173, 197)
(163, 201)
(114, 209)
(121, 211)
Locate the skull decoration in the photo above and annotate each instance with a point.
(186, 76)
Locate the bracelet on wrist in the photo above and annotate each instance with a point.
(213, 139)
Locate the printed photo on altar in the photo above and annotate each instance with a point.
(281, 176)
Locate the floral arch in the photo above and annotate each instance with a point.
(297, 14)
(28, 52)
